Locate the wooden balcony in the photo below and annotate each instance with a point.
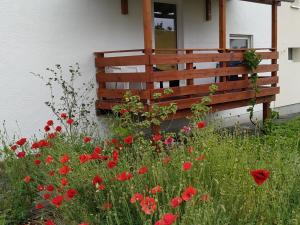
(231, 93)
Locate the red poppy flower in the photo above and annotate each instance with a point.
(137, 197)
(200, 158)
(204, 197)
(40, 144)
(50, 188)
(50, 122)
(107, 206)
(128, 140)
(40, 187)
(176, 202)
(50, 222)
(169, 141)
(124, 176)
(114, 141)
(37, 162)
(51, 135)
(87, 139)
(70, 121)
(168, 219)
(64, 181)
(148, 205)
(156, 137)
(143, 170)
(21, 142)
(97, 180)
(186, 129)
(21, 154)
(64, 159)
(123, 111)
(46, 196)
(201, 124)
(64, 170)
(39, 206)
(27, 179)
(186, 166)
(84, 158)
(57, 201)
(84, 224)
(64, 116)
(260, 176)
(189, 193)
(51, 173)
(13, 147)
(97, 150)
(58, 128)
(156, 189)
(49, 159)
(47, 128)
(115, 155)
(71, 193)
(111, 164)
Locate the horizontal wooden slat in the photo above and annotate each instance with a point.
(205, 57)
(223, 98)
(119, 93)
(119, 51)
(122, 61)
(219, 107)
(206, 73)
(222, 86)
(122, 77)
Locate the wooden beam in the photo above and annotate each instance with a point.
(222, 24)
(208, 10)
(268, 2)
(148, 27)
(124, 7)
(274, 33)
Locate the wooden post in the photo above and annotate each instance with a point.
(222, 30)
(208, 10)
(266, 111)
(101, 85)
(189, 66)
(124, 7)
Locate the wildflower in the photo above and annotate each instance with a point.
(156, 137)
(201, 124)
(46, 196)
(64, 170)
(186, 129)
(201, 157)
(49, 222)
(27, 179)
(115, 155)
(70, 121)
(143, 170)
(84, 158)
(100, 187)
(111, 164)
(87, 139)
(21, 142)
(64, 181)
(51, 135)
(37, 162)
(40, 187)
(84, 224)
(58, 128)
(204, 198)
(49, 159)
(123, 111)
(176, 202)
(114, 141)
(260, 176)
(21, 154)
(50, 188)
(148, 205)
(51, 173)
(13, 147)
(137, 197)
(39, 206)
(169, 141)
(186, 166)
(64, 159)
(189, 193)
(57, 201)
(156, 189)
(63, 116)
(97, 150)
(124, 176)
(50, 122)
(168, 219)
(46, 128)
(97, 180)
(128, 140)
(71, 193)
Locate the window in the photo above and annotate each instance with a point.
(294, 54)
(241, 41)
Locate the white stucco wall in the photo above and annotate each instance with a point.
(35, 34)
(288, 37)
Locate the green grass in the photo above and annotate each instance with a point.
(224, 175)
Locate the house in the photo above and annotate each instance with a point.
(183, 44)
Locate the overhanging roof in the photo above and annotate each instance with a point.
(269, 2)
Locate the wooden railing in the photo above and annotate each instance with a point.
(231, 94)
